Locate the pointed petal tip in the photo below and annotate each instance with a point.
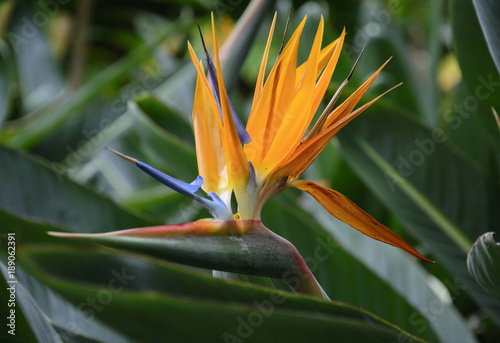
(70, 235)
(125, 157)
(339, 206)
(55, 233)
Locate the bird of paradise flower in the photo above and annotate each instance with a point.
(255, 164)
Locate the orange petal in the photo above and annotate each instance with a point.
(309, 149)
(324, 58)
(209, 149)
(346, 107)
(267, 113)
(204, 82)
(345, 210)
(299, 113)
(236, 160)
(326, 76)
(260, 79)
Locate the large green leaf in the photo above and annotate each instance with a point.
(164, 302)
(469, 117)
(406, 276)
(41, 309)
(356, 269)
(6, 81)
(72, 324)
(84, 266)
(483, 263)
(442, 199)
(31, 189)
(488, 12)
(477, 66)
(25, 322)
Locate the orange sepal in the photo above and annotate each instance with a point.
(268, 109)
(260, 79)
(339, 206)
(348, 105)
(309, 149)
(299, 112)
(209, 149)
(236, 160)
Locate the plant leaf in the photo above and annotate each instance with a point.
(442, 199)
(347, 264)
(71, 323)
(405, 275)
(483, 263)
(477, 66)
(31, 189)
(29, 323)
(175, 299)
(488, 12)
(6, 81)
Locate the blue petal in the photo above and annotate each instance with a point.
(252, 178)
(242, 132)
(216, 205)
(178, 186)
(214, 85)
(197, 182)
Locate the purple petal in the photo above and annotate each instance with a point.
(187, 189)
(212, 81)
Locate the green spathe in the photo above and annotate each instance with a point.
(245, 247)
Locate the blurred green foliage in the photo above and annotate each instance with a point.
(76, 76)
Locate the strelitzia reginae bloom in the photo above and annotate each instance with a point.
(257, 162)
